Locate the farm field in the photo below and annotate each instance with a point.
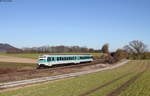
(11, 66)
(35, 55)
(131, 79)
(15, 59)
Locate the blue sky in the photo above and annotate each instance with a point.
(88, 23)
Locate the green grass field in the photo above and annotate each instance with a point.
(35, 55)
(82, 84)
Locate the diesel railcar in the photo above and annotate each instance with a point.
(50, 60)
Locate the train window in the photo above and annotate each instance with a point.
(58, 58)
(42, 59)
(65, 58)
(49, 59)
(52, 58)
(81, 57)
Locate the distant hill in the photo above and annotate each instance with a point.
(6, 48)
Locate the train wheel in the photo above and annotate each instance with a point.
(38, 67)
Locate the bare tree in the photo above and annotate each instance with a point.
(105, 48)
(136, 46)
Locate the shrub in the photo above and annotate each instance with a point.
(120, 54)
(109, 59)
(136, 56)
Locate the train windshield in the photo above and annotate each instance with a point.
(41, 59)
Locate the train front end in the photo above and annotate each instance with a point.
(42, 61)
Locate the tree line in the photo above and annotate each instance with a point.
(134, 50)
(59, 49)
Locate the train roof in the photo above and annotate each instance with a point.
(46, 55)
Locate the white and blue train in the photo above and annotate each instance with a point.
(50, 60)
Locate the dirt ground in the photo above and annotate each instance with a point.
(36, 73)
(16, 59)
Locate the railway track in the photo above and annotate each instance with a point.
(72, 65)
(55, 68)
(61, 67)
(52, 78)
